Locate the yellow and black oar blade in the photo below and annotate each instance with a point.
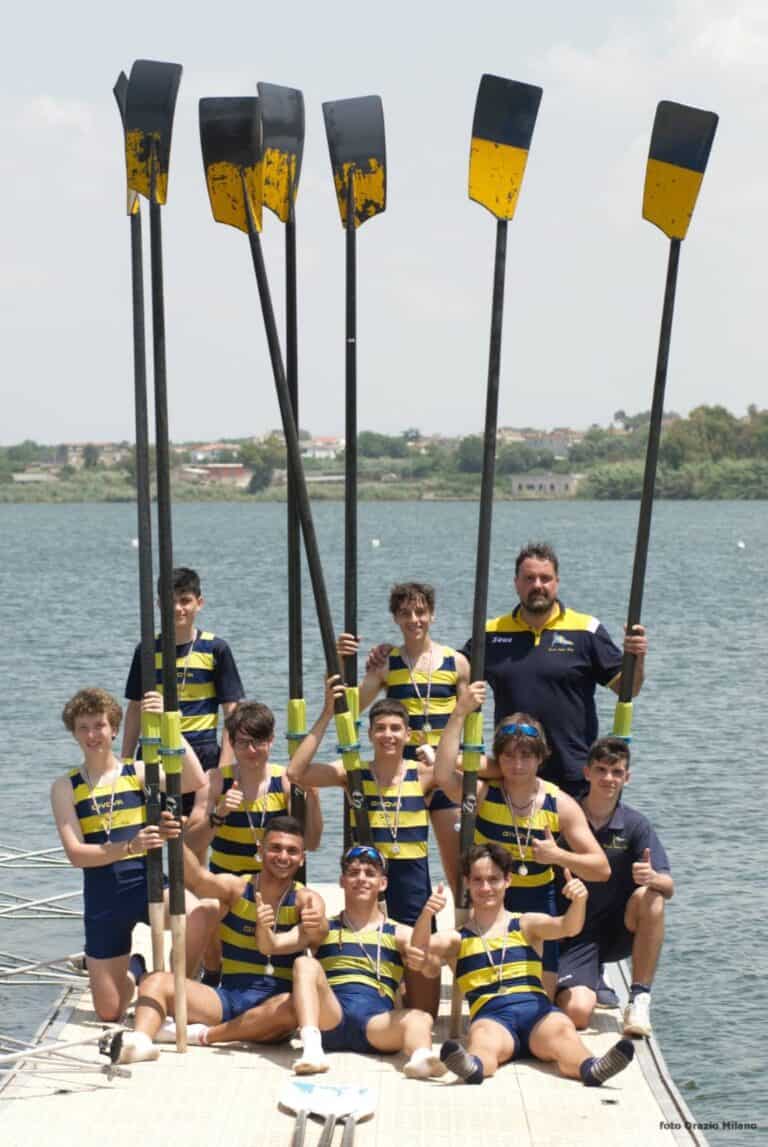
(680, 144)
(149, 106)
(120, 92)
(355, 131)
(505, 116)
(230, 139)
(282, 141)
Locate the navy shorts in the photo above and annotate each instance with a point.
(440, 801)
(540, 898)
(518, 1012)
(235, 1001)
(583, 956)
(108, 929)
(358, 1005)
(408, 889)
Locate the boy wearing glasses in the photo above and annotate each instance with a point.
(625, 916)
(344, 997)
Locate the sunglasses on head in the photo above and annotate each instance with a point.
(526, 730)
(364, 852)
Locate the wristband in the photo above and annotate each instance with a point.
(214, 820)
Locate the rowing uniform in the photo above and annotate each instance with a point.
(408, 882)
(237, 843)
(245, 980)
(411, 688)
(534, 889)
(364, 970)
(115, 895)
(501, 979)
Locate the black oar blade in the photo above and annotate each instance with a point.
(149, 106)
(681, 141)
(282, 128)
(505, 116)
(231, 143)
(120, 92)
(355, 131)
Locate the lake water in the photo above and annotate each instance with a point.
(68, 586)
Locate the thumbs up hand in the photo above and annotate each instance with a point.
(233, 798)
(437, 900)
(545, 850)
(642, 870)
(573, 889)
(265, 913)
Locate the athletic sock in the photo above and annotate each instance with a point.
(595, 1070)
(458, 1060)
(311, 1041)
(637, 990)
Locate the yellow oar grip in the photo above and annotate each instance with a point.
(150, 738)
(170, 724)
(297, 723)
(473, 741)
(622, 720)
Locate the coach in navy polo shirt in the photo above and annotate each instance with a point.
(547, 660)
(625, 915)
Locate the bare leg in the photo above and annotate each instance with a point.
(111, 986)
(267, 1023)
(316, 1008)
(549, 980)
(422, 991)
(554, 1039)
(202, 921)
(578, 1004)
(644, 917)
(400, 1030)
(491, 1043)
(444, 824)
(157, 1000)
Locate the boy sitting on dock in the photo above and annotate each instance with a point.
(266, 919)
(496, 959)
(101, 818)
(625, 916)
(344, 997)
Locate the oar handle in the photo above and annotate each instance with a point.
(350, 434)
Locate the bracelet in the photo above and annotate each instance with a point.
(214, 820)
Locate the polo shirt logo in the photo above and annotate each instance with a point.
(562, 644)
(618, 841)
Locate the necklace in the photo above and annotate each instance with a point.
(426, 727)
(499, 968)
(522, 867)
(195, 635)
(393, 827)
(344, 922)
(269, 967)
(257, 830)
(105, 828)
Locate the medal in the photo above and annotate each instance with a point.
(269, 969)
(426, 728)
(522, 869)
(395, 849)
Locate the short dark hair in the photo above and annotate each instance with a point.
(90, 703)
(250, 719)
(387, 707)
(539, 745)
(283, 823)
(406, 591)
(542, 551)
(610, 749)
(184, 580)
(496, 853)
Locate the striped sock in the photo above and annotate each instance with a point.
(458, 1060)
(595, 1070)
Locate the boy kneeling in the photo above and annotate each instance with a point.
(497, 962)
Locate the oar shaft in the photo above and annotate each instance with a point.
(651, 465)
(350, 435)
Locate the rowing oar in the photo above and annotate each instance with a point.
(505, 116)
(355, 132)
(149, 108)
(229, 134)
(282, 128)
(677, 159)
(150, 722)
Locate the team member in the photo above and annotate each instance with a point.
(266, 920)
(101, 819)
(523, 814)
(206, 672)
(395, 791)
(497, 963)
(625, 915)
(546, 659)
(348, 992)
(425, 676)
(242, 799)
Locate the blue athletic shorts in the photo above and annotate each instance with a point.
(358, 1005)
(519, 1013)
(408, 888)
(538, 899)
(440, 801)
(235, 1001)
(108, 929)
(583, 955)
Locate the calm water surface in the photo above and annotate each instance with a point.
(68, 584)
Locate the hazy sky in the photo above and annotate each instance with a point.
(585, 274)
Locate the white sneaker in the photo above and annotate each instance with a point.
(137, 1047)
(313, 1064)
(195, 1033)
(425, 1066)
(167, 1033)
(637, 1015)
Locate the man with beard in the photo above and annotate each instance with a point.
(546, 659)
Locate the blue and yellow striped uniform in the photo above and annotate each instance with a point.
(242, 962)
(495, 823)
(344, 963)
(442, 696)
(409, 885)
(479, 980)
(235, 846)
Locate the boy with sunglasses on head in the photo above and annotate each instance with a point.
(523, 813)
(344, 997)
